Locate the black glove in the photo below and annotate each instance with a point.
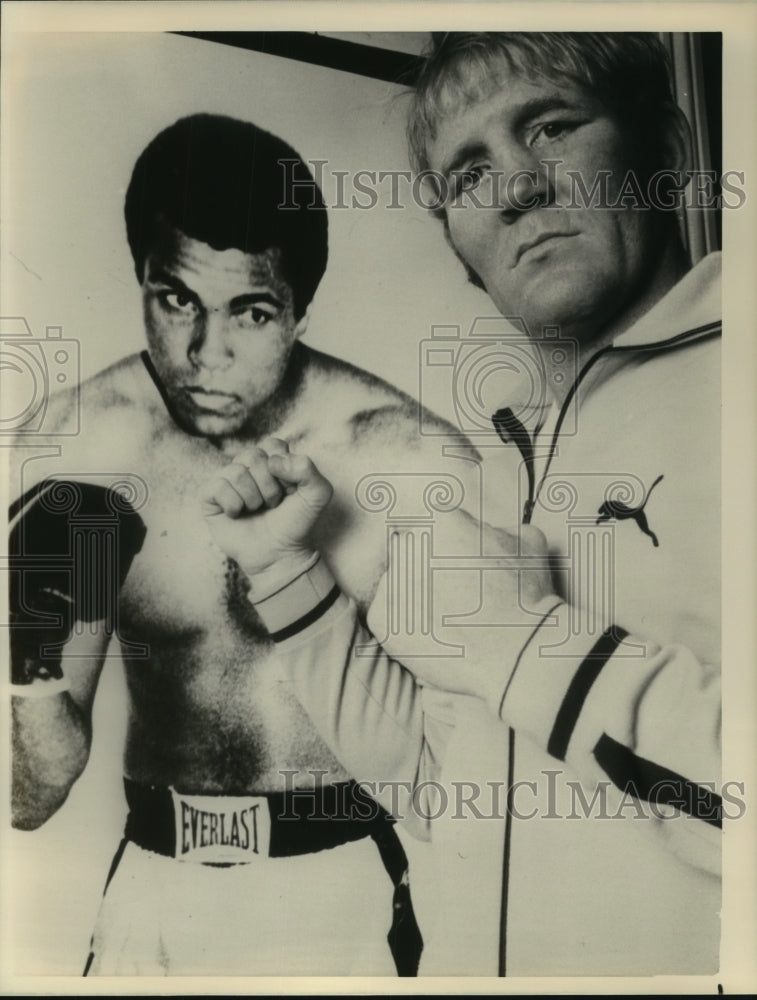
(71, 545)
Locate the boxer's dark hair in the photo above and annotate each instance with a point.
(223, 181)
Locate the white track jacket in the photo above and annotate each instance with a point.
(592, 846)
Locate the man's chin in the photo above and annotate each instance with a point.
(564, 303)
(207, 424)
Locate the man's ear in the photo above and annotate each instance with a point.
(302, 324)
(676, 140)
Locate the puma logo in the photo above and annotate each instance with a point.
(612, 509)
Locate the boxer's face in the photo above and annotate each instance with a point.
(220, 327)
(576, 267)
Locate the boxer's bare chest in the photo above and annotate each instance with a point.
(210, 707)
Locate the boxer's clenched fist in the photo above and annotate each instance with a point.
(260, 508)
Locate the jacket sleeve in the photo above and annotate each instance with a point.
(639, 719)
(632, 719)
(387, 730)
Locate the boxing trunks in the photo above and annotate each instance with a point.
(285, 883)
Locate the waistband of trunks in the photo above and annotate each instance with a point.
(274, 824)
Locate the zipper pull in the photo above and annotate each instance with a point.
(512, 431)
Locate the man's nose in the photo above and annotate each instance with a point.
(210, 345)
(523, 182)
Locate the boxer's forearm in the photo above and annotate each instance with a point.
(62, 597)
(51, 741)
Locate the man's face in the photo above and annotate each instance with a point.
(578, 268)
(220, 328)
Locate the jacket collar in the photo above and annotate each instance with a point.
(691, 310)
(693, 303)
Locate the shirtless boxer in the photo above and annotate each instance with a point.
(215, 735)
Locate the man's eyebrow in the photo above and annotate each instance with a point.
(525, 113)
(468, 151)
(252, 298)
(157, 274)
(540, 105)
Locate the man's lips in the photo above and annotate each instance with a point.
(538, 240)
(211, 400)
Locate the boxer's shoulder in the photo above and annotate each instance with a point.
(355, 408)
(119, 390)
(123, 386)
(121, 402)
(107, 421)
(75, 429)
